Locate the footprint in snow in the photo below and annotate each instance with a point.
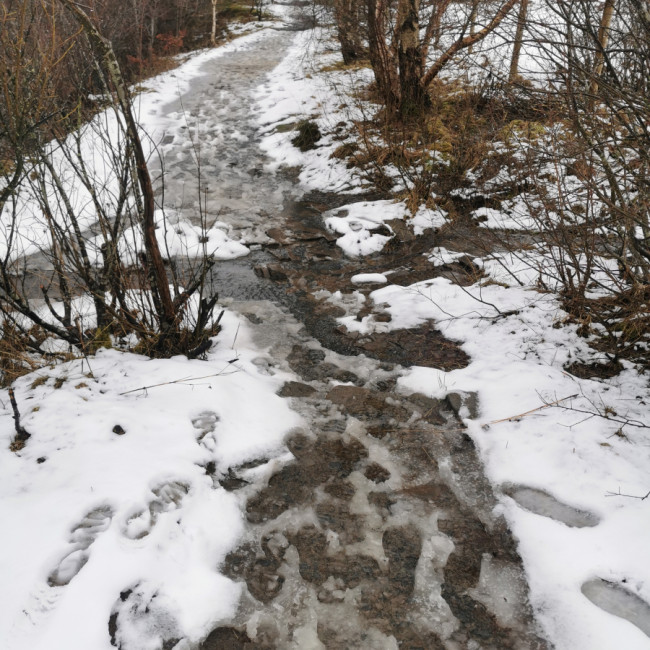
(205, 423)
(143, 616)
(44, 597)
(543, 504)
(167, 497)
(616, 599)
(81, 538)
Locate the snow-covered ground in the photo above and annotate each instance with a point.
(158, 526)
(116, 479)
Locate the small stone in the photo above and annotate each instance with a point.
(345, 376)
(40, 460)
(274, 273)
(226, 637)
(230, 482)
(429, 408)
(296, 389)
(299, 444)
(377, 431)
(117, 429)
(457, 401)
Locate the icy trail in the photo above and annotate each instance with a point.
(287, 495)
(209, 143)
(379, 533)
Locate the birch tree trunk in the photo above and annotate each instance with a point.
(603, 39)
(472, 22)
(413, 95)
(519, 35)
(213, 34)
(347, 29)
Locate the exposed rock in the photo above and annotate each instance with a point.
(463, 404)
(376, 473)
(227, 638)
(231, 482)
(275, 273)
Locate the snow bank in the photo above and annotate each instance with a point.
(134, 462)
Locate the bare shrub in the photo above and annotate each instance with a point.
(77, 204)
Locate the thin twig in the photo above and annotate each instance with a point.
(22, 435)
(178, 381)
(539, 408)
(629, 496)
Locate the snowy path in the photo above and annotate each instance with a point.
(209, 143)
(380, 533)
(281, 494)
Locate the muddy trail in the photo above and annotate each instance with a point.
(379, 532)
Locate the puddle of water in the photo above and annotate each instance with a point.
(616, 599)
(542, 503)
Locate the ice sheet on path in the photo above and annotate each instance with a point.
(140, 506)
(212, 128)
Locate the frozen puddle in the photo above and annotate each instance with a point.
(617, 600)
(542, 503)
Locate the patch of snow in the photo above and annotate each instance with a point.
(369, 278)
(89, 513)
(357, 221)
(428, 219)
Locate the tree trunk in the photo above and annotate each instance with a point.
(603, 39)
(472, 23)
(519, 35)
(213, 34)
(413, 96)
(155, 266)
(347, 29)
